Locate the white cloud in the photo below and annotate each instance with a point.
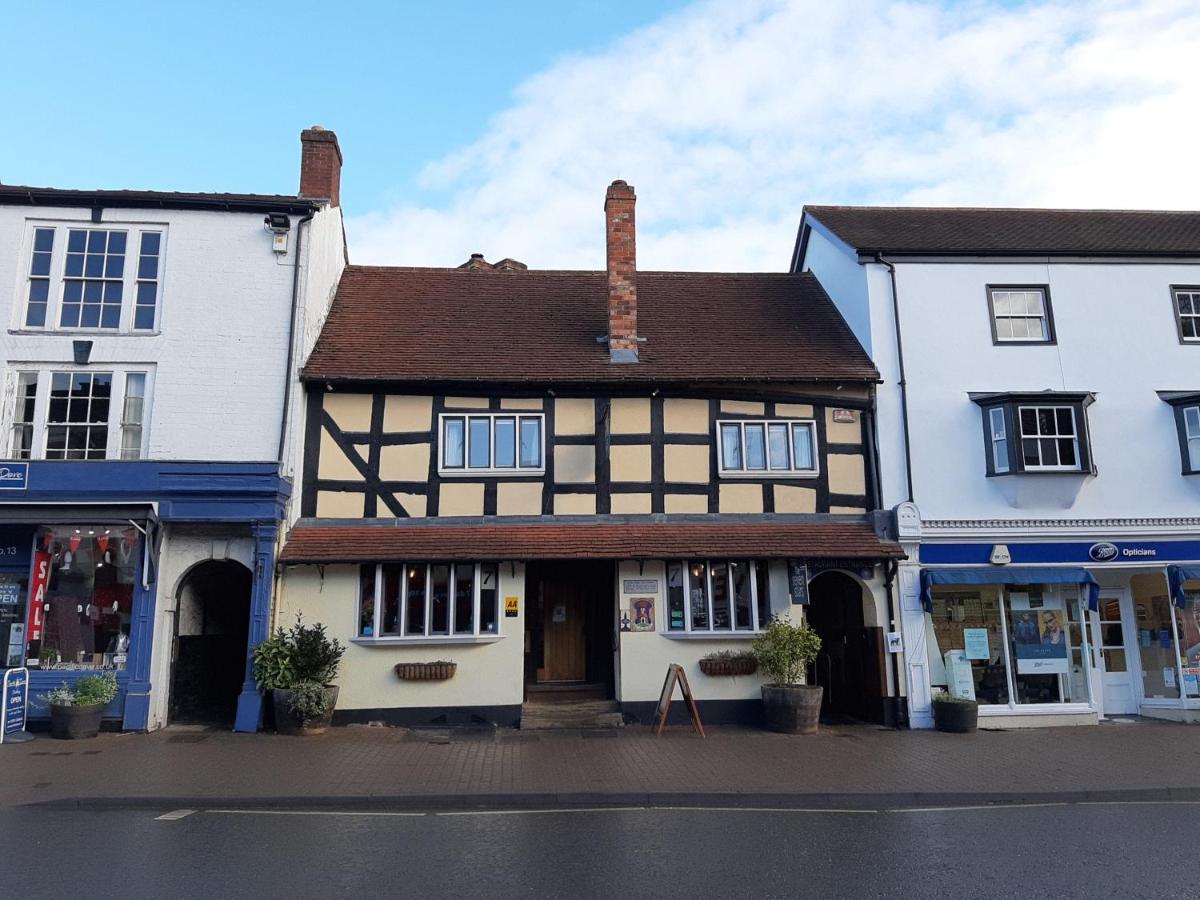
(728, 117)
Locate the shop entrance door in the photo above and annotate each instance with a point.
(1115, 665)
(850, 664)
(570, 626)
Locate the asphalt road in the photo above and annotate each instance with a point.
(1102, 850)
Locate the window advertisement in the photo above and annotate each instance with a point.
(1187, 622)
(1152, 609)
(1024, 643)
(88, 597)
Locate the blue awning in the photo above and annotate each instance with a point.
(1009, 575)
(1176, 576)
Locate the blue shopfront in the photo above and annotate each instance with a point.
(83, 551)
(1074, 628)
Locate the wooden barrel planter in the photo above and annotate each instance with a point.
(729, 666)
(430, 671)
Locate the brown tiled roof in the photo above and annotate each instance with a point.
(414, 324)
(1059, 232)
(321, 543)
(23, 195)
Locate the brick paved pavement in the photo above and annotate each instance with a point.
(366, 766)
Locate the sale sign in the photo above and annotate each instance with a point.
(38, 585)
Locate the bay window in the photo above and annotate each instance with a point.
(1035, 433)
(1186, 405)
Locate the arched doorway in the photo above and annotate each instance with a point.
(209, 658)
(850, 666)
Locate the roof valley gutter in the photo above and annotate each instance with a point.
(908, 478)
(291, 351)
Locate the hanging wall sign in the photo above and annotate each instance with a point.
(640, 586)
(643, 613)
(512, 607)
(14, 476)
(37, 594)
(798, 582)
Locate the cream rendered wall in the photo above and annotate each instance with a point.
(489, 674)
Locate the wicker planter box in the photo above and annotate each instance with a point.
(434, 671)
(729, 666)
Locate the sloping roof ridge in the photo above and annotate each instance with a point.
(143, 192)
(813, 207)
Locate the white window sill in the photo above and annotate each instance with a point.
(53, 332)
(707, 635)
(1037, 709)
(760, 474)
(491, 473)
(426, 641)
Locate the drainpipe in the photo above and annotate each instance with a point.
(291, 352)
(879, 258)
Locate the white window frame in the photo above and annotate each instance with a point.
(466, 470)
(116, 406)
(1009, 291)
(1194, 295)
(790, 472)
(756, 625)
(998, 431)
(1191, 437)
(1078, 467)
(424, 637)
(58, 278)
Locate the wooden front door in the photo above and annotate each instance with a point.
(564, 629)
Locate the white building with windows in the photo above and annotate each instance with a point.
(1039, 435)
(150, 347)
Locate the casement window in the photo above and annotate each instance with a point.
(420, 600)
(784, 448)
(715, 596)
(93, 279)
(1035, 433)
(1020, 314)
(1187, 313)
(492, 443)
(79, 414)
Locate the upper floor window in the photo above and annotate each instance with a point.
(1191, 436)
(1021, 315)
(428, 600)
(1035, 433)
(1187, 423)
(1187, 312)
(756, 447)
(717, 595)
(79, 279)
(71, 415)
(492, 443)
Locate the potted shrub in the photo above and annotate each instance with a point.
(298, 667)
(75, 712)
(727, 663)
(784, 652)
(955, 715)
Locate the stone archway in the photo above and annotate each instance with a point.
(208, 659)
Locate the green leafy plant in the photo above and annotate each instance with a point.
(90, 690)
(309, 701)
(785, 650)
(729, 655)
(295, 655)
(947, 697)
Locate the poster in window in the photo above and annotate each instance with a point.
(1040, 638)
(975, 643)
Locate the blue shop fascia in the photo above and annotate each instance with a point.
(83, 551)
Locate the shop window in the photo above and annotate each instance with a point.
(1014, 645)
(1021, 315)
(1032, 433)
(89, 597)
(777, 448)
(491, 443)
(85, 283)
(717, 596)
(428, 600)
(1152, 613)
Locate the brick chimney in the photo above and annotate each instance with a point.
(621, 241)
(320, 164)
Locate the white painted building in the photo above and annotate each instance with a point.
(1039, 433)
(150, 348)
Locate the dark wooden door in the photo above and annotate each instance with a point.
(835, 612)
(564, 629)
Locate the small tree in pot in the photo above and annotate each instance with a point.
(784, 652)
(298, 667)
(75, 712)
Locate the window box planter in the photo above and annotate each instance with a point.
(430, 671)
(955, 716)
(728, 666)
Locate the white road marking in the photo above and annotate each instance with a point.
(537, 812)
(988, 806)
(312, 812)
(771, 809)
(173, 815)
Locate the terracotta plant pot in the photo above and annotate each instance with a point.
(792, 708)
(286, 722)
(955, 718)
(425, 671)
(76, 722)
(729, 666)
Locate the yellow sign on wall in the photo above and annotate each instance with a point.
(511, 607)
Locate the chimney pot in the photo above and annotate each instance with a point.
(621, 246)
(320, 165)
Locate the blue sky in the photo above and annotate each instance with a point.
(496, 127)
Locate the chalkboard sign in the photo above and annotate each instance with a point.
(798, 582)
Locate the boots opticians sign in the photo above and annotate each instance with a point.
(1107, 552)
(1064, 552)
